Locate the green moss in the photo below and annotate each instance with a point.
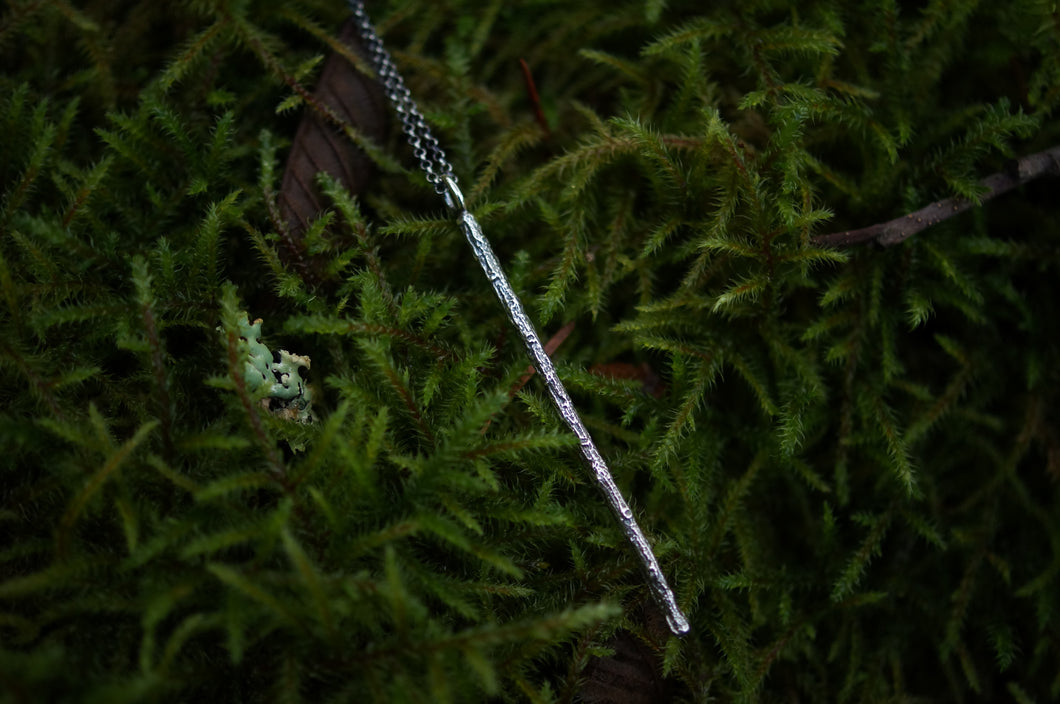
(847, 459)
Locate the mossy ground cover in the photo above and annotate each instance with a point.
(847, 459)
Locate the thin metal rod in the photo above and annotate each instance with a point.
(664, 596)
(437, 166)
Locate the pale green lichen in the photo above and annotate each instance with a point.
(284, 393)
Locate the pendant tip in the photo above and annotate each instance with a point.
(678, 624)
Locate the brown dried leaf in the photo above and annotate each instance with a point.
(320, 145)
(649, 380)
(633, 675)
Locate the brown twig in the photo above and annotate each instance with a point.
(1046, 163)
(402, 390)
(550, 348)
(531, 90)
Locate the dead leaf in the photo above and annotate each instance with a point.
(321, 146)
(633, 675)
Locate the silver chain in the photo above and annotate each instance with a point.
(440, 174)
(424, 145)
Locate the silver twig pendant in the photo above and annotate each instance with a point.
(440, 173)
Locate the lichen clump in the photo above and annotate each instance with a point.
(284, 393)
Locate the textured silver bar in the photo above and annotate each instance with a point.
(664, 596)
(439, 173)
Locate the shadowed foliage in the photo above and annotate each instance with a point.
(847, 460)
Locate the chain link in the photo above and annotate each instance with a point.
(424, 145)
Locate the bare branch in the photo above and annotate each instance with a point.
(1046, 163)
(531, 90)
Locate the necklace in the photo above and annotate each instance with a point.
(440, 174)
